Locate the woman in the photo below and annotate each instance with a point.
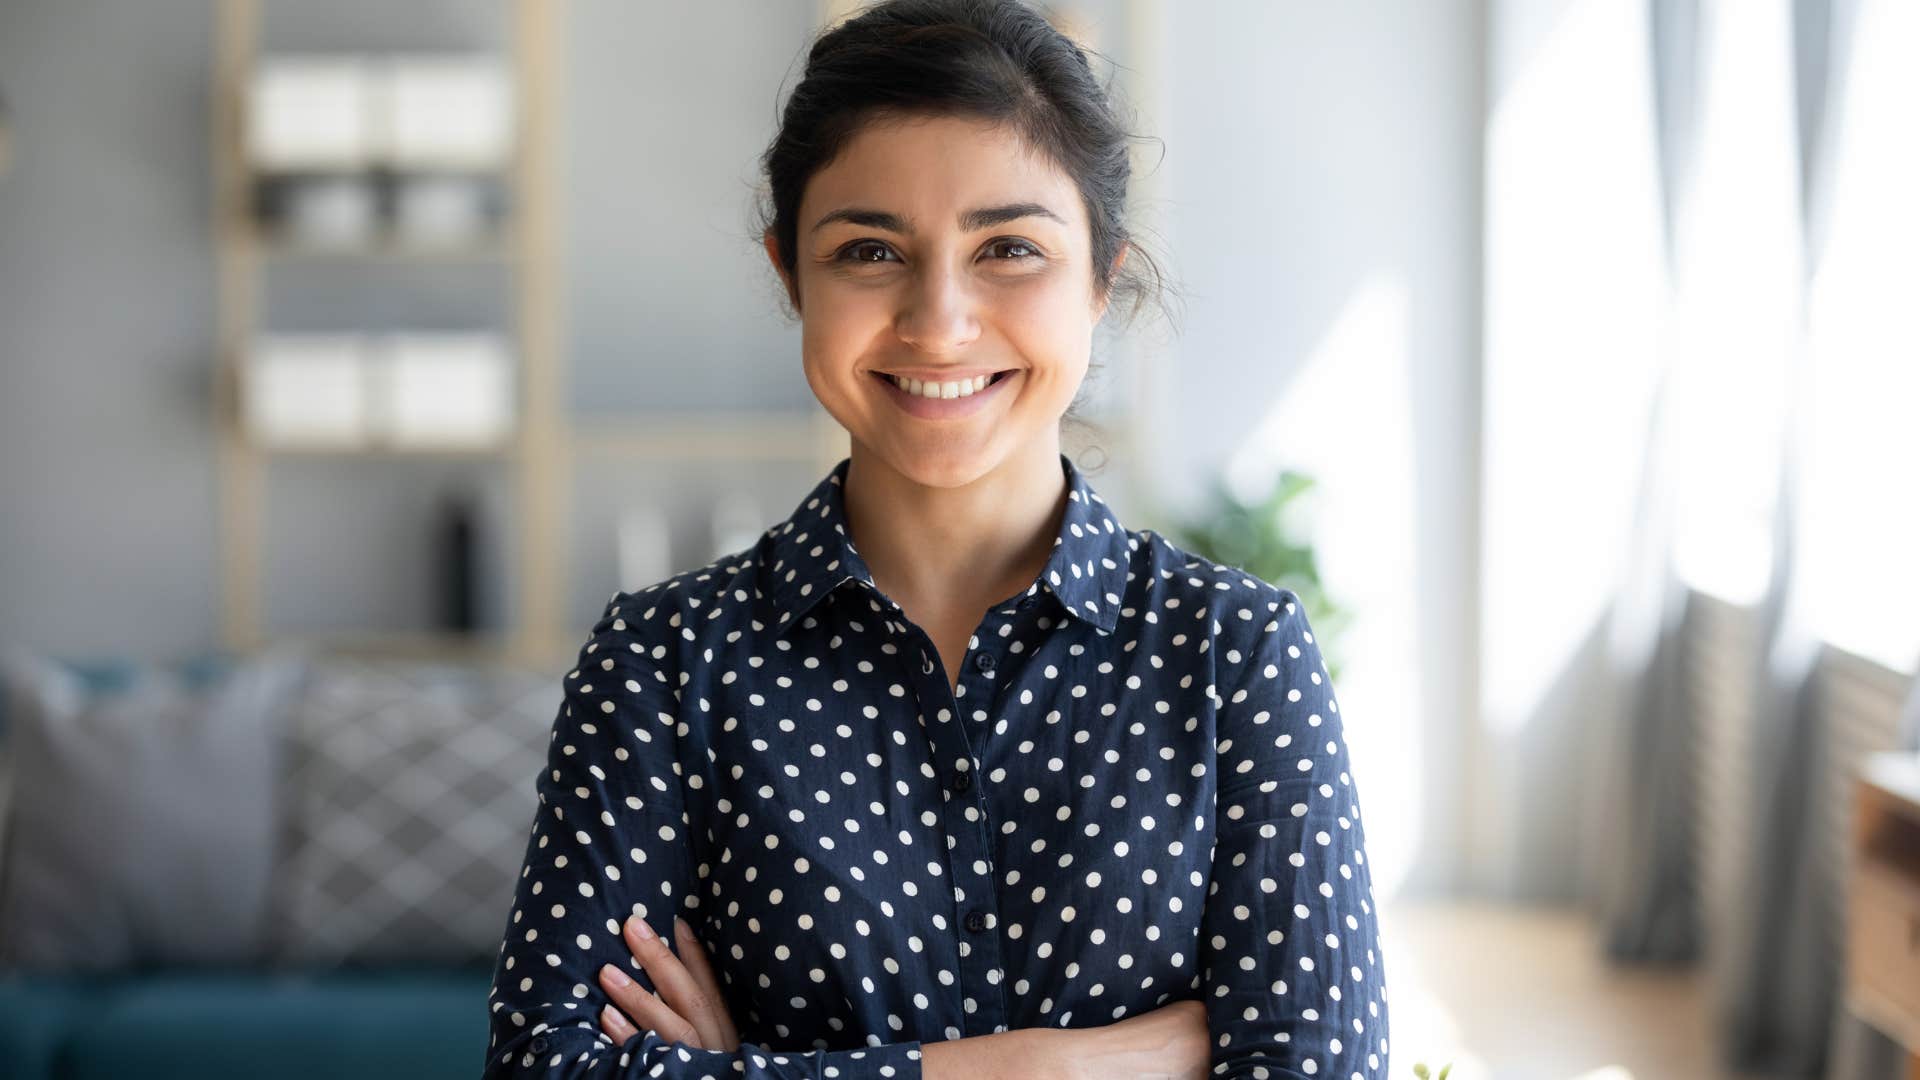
(950, 773)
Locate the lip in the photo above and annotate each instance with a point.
(927, 408)
(946, 374)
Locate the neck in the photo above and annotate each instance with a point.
(955, 549)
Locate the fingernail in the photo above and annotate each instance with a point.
(610, 1015)
(615, 975)
(640, 927)
(681, 926)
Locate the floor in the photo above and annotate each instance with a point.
(1523, 994)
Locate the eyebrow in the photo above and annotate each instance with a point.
(985, 217)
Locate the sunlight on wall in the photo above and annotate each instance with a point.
(1347, 419)
(1861, 520)
(1738, 306)
(1573, 295)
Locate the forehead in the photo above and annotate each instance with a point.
(921, 165)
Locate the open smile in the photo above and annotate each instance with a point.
(947, 408)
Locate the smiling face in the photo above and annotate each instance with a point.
(944, 250)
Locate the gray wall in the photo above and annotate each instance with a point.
(671, 299)
(106, 315)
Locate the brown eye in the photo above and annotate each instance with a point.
(1023, 249)
(847, 254)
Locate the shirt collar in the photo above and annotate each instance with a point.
(810, 554)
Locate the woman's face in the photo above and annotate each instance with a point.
(942, 250)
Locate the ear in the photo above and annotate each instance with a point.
(1119, 260)
(772, 245)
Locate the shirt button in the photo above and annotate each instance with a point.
(538, 1045)
(963, 781)
(976, 920)
(984, 661)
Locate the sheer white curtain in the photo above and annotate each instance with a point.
(1643, 890)
(1861, 520)
(1740, 309)
(1574, 290)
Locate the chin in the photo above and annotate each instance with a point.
(938, 465)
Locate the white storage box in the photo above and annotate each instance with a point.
(447, 111)
(307, 390)
(444, 390)
(312, 112)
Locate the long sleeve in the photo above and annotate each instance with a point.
(611, 836)
(1294, 982)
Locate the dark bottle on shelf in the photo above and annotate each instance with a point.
(456, 541)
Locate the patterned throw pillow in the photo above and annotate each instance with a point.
(140, 830)
(408, 796)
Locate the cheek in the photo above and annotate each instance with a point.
(1049, 325)
(838, 327)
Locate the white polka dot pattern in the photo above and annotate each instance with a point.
(1137, 793)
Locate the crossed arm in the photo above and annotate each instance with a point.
(608, 841)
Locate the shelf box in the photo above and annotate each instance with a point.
(307, 391)
(312, 112)
(447, 111)
(349, 111)
(443, 210)
(444, 390)
(331, 212)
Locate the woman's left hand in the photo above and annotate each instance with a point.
(688, 1008)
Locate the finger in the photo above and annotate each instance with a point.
(693, 953)
(615, 1025)
(676, 986)
(646, 1009)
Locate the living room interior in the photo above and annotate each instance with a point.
(1562, 355)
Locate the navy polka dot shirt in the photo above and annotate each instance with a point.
(1138, 793)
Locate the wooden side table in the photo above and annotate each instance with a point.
(1883, 901)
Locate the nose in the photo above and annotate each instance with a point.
(937, 312)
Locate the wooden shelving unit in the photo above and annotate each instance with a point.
(536, 448)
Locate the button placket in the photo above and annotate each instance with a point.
(970, 855)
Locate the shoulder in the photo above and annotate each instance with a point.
(670, 621)
(1256, 632)
(1239, 602)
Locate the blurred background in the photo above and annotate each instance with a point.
(1562, 354)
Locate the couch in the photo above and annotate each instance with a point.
(283, 865)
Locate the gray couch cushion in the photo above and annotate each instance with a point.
(140, 830)
(408, 799)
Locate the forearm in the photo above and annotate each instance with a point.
(1024, 1054)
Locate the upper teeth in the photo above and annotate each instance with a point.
(941, 389)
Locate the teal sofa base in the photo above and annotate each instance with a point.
(415, 1024)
